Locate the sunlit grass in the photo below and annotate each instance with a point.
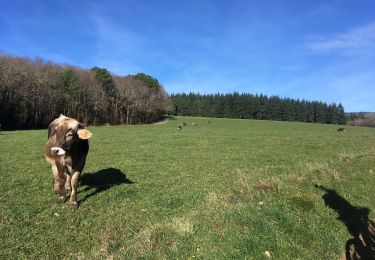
(227, 189)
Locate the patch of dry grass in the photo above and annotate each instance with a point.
(267, 186)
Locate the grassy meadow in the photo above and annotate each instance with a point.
(230, 189)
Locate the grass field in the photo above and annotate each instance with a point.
(229, 189)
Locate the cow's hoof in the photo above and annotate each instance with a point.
(74, 204)
(62, 198)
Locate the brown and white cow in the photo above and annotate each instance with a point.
(66, 150)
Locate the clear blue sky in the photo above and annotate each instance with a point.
(317, 50)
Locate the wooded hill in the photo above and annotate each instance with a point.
(34, 92)
(249, 106)
(361, 119)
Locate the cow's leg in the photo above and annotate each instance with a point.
(55, 172)
(73, 196)
(58, 173)
(67, 183)
(68, 178)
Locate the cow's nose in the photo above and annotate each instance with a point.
(57, 151)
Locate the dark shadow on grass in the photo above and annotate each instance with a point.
(356, 220)
(169, 117)
(102, 181)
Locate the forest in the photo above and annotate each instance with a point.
(361, 119)
(261, 107)
(34, 92)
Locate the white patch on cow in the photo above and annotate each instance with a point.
(57, 151)
(59, 119)
(70, 123)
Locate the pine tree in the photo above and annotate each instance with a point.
(341, 118)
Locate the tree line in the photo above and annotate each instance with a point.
(33, 92)
(361, 119)
(262, 107)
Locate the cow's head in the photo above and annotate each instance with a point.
(64, 132)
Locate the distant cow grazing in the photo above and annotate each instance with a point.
(341, 129)
(66, 150)
(194, 124)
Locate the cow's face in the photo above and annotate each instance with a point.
(65, 132)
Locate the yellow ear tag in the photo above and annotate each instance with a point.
(84, 134)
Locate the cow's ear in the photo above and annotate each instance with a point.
(84, 134)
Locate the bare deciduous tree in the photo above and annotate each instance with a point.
(33, 92)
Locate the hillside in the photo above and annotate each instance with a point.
(361, 119)
(223, 189)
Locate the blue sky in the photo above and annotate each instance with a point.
(317, 50)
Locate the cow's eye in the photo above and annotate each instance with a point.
(69, 134)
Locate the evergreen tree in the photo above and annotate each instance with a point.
(341, 118)
(148, 80)
(104, 78)
(235, 105)
(69, 84)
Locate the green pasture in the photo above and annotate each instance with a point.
(224, 189)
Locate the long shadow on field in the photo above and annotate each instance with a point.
(169, 117)
(356, 220)
(102, 181)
